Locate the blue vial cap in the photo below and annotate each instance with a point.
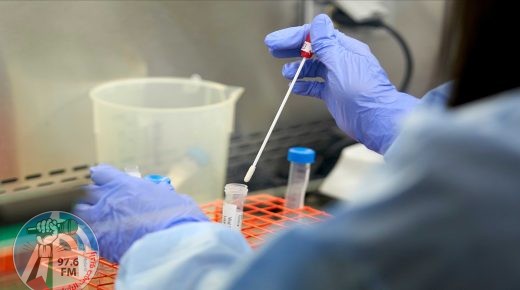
(301, 155)
(156, 178)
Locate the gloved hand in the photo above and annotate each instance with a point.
(121, 208)
(355, 87)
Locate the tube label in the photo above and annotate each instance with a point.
(306, 47)
(306, 50)
(231, 217)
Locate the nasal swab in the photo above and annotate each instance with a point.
(306, 53)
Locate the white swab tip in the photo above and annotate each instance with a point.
(249, 173)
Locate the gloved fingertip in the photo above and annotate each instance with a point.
(288, 38)
(89, 187)
(300, 88)
(80, 208)
(269, 39)
(321, 18)
(321, 28)
(99, 167)
(103, 174)
(288, 71)
(94, 194)
(308, 88)
(273, 39)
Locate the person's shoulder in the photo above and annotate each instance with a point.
(481, 139)
(450, 185)
(445, 167)
(489, 118)
(438, 96)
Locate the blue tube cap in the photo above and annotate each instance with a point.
(156, 178)
(301, 155)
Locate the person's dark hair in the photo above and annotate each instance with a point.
(480, 48)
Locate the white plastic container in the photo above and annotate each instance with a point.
(349, 175)
(162, 124)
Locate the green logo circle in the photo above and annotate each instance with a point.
(56, 250)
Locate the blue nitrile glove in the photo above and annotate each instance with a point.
(355, 88)
(121, 209)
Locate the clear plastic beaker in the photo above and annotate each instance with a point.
(162, 124)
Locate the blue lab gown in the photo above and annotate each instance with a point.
(444, 213)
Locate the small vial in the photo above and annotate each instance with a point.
(186, 167)
(301, 159)
(233, 208)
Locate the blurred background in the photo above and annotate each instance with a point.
(53, 52)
